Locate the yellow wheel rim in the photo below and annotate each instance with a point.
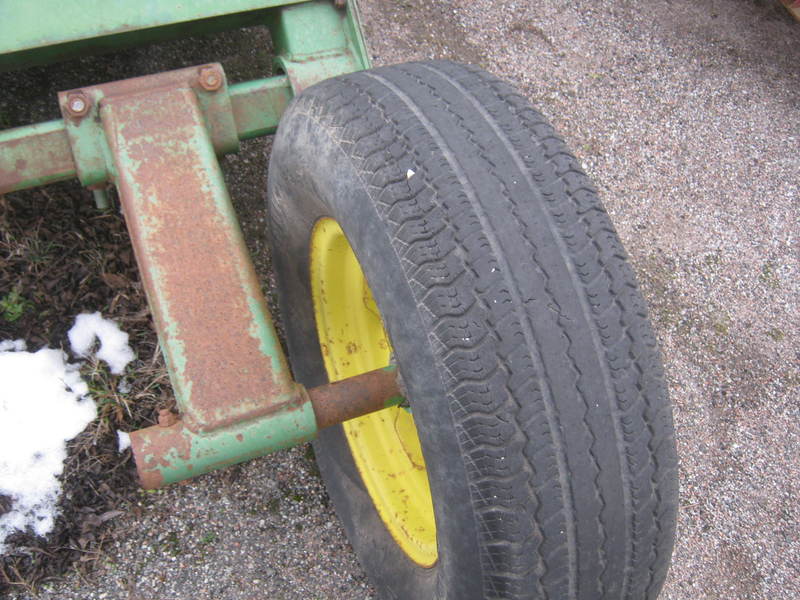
(385, 444)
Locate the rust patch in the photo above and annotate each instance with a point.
(150, 446)
(77, 104)
(350, 398)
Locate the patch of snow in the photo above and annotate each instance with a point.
(43, 404)
(409, 173)
(123, 441)
(123, 387)
(114, 348)
(15, 345)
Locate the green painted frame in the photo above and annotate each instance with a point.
(157, 138)
(45, 31)
(312, 40)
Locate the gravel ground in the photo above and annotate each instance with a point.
(687, 116)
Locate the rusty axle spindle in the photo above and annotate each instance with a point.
(173, 451)
(337, 402)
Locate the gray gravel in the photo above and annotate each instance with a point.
(687, 115)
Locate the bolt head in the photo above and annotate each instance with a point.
(78, 104)
(210, 79)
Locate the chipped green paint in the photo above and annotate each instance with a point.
(166, 455)
(394, 401)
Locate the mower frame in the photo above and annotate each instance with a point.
(157, 138)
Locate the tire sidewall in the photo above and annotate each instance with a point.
(311, 177)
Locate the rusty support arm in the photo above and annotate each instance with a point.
(157, 137)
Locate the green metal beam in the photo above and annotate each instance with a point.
(38, 154)
(315, 41)
(42, 31)
(258, 105)
(34, 155)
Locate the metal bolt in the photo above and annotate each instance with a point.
(210, 79)
(78, 104)
(166, 418)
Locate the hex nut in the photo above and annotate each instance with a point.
(77, 104)
(210, 79)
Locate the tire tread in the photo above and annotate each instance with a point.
(491, 182)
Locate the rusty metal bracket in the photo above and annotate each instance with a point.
(43, 153)
(81, 109)
(160, 137)
(224, 358)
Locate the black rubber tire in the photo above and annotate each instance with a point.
(532, 370)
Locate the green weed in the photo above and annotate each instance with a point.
(208, 538)
(769, 275)
(13, 305)
(776, 334)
